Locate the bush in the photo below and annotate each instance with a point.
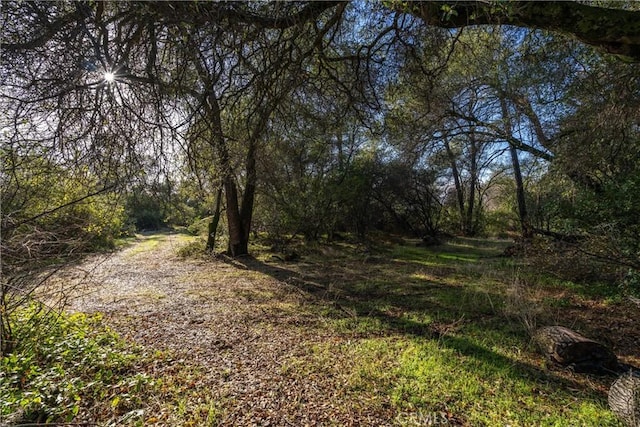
(199, 227)
(49, 213)
(194, 249)
(153, 206)
(64, 366)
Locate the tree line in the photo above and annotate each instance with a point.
(316, 119)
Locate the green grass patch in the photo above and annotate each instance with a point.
(455, 378)
(146, 243)
(464, 378)
(426, 332)
(454, 252)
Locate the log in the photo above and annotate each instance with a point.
(568, 348)
(624, 398)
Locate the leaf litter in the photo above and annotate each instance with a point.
(242, 335)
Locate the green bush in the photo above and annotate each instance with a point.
(194, 249)
(199, 227)
(156, 205)
(60, 212)
(63, 366)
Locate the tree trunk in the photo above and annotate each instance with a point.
(457, 183)
(213, 225)
(624, 398)
(238, 237)
(525, 225)
(568, 348)
(248, 198)
(469, 223)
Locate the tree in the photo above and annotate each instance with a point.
(176, 64)
(316, 174)
(614, 30)
(219, 68)
(448, 108)
(601, 159)
(409, 199)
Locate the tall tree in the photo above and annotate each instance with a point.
(168, 70)
(219, 66)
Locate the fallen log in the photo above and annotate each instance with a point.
(568, 348)
(624, 398)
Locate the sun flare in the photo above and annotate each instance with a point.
(109, 76)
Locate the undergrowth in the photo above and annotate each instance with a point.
(425, 336)
(64, 367)
(71, 368)
(441, 335)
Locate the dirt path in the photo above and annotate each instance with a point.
(241, 329)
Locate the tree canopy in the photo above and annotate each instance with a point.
(609, 26)
(219, 91)
(612, 26)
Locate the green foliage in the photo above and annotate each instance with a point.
(615, 211)
(631, 283)
(156, 205)
(321, 189)
(193, 249)
(58, 210)
(601, 159)
(500, 223)
(199, 227)
(64, 364)
(408, 199)
(146, 208)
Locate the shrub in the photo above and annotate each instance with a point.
(199, 227)
(194, 249)
(65, 365)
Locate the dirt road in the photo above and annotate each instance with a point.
(239, 324)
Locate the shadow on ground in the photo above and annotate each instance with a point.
(422, 293)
